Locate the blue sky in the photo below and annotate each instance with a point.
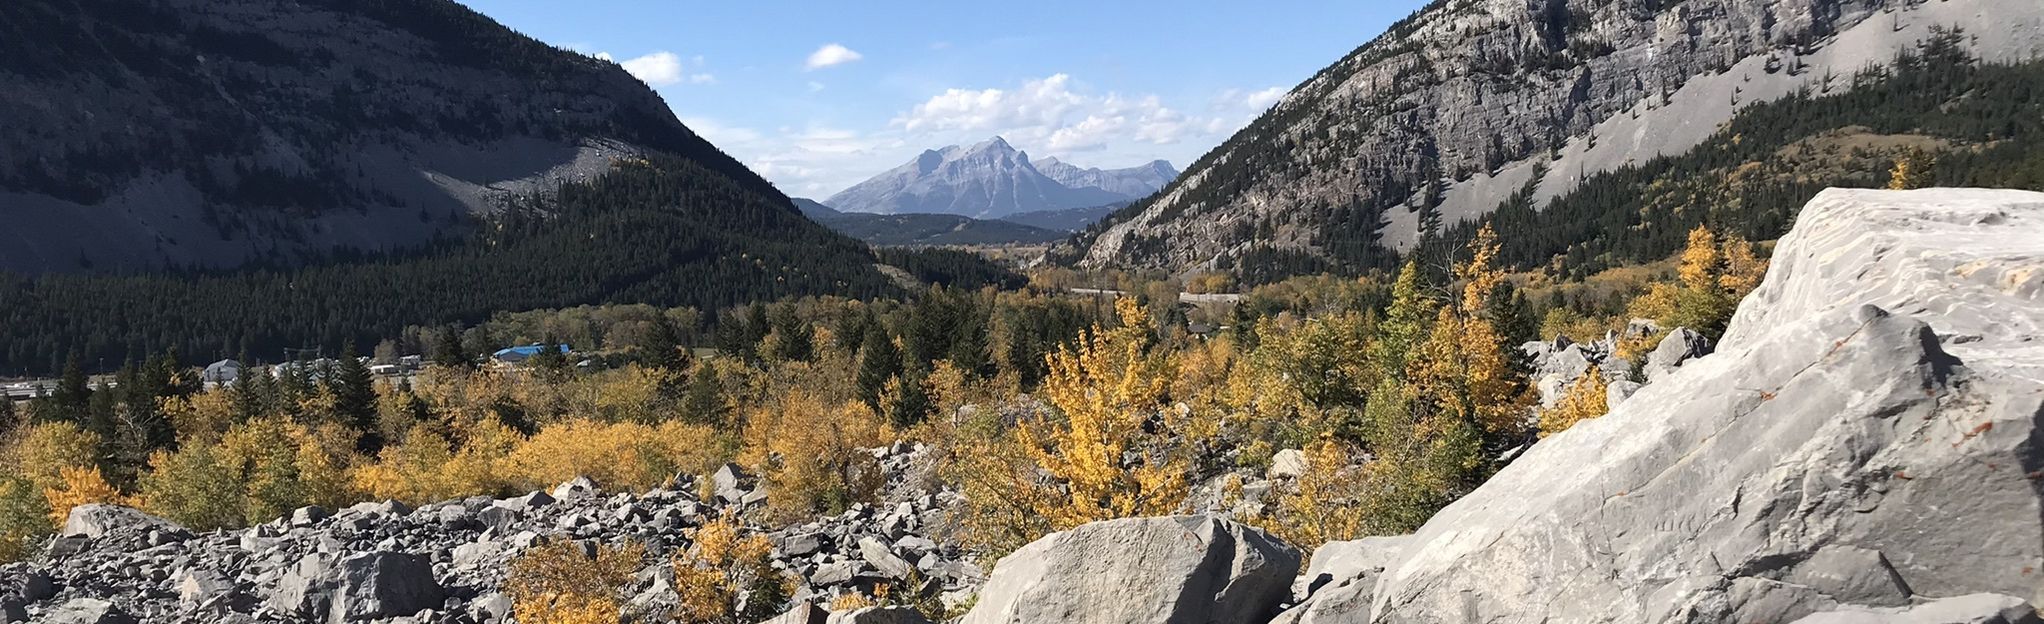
(817, 96)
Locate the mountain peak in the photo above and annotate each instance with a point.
(991, 179)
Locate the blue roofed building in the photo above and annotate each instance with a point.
(514, 356)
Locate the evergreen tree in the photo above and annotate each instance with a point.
(9, 416)
(447, 350)
(704, 403)
(354, 391)
(910, 402)
(663, 348)
(550, 362)
(879, 361)
(969, 352)
(71, 401)
(794, 339)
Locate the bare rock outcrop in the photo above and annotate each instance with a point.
(1862, 444)
(1167, 570)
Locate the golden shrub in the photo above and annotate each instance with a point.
(851, 602)
(1106, 389)
(616, 455)
(722, 566)
(1584, 399)
(811, 452)
(79, 485)
(41, 451)
(560, 583)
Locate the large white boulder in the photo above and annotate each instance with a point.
(1168, 570)
(1863, 439)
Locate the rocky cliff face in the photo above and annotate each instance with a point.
(991, 180)
(1132, 182)
(213, 132)
(1464, 103)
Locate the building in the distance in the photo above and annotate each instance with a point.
(221, 373)
(515, 356)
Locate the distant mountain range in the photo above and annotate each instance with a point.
(1068, 219)
(922, 229)
(993, 180)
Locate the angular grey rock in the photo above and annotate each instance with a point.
(1678, 346)
(1338, 563)
(385, 508)
(491, 607)
(379, 585)
(1287, 464)
(834, 573)
(1967, 609)
(729, 484)
(878, 615)
(802, 544)
(86, 611)
(529, 501)
(499, 519)
(308, 515)
(881, 557)
(1142, 570)
(198, 588)
(1819, 425)
(1338, 586)
(99, 520)
(576, 487)
(803, 613)
(1618, 392)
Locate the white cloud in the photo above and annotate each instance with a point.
(1039, 103)
(1056, 115)
(1262, 100)
(657, 69)
(664, 68)
(830, 55)
(1053, 113)
(815, 86)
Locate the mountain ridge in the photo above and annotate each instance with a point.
(142, 162)
(992, 179)
(1455, 109)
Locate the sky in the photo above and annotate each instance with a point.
(818, 96)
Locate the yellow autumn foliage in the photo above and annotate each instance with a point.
(1584, 399)
(1106, 389)
(79, 485)
(559, 583)
(723, 566)
(811, 452)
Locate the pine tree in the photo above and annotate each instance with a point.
(907, 401)
(664, 348)
(704, 403)
(354, 390)
(794, 339)
(550, 362)
(10, 417)
(879, 361)
(71, 401)
(447, 350)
